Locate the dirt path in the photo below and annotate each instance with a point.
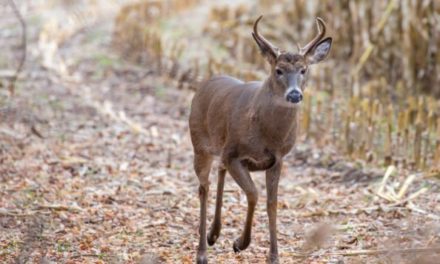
(96, 167)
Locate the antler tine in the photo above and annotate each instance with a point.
(259, 38)
(321, 33)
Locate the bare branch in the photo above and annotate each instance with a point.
(23, 45)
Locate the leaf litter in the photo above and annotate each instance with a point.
(111, 180)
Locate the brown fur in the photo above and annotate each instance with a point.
(250, 126)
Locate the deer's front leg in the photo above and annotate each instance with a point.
(272, 179)
(214, 231)
(241, 175)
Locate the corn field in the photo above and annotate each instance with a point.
(376, 99)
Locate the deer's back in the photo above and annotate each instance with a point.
(212, 109)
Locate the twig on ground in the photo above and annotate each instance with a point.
(371, 252)
(23, 46)
(402, 204)
(388, 173)
(414, 208)
(86, 255)
(58, 207)
(387, 251)
(157, 223)
(13, 213)
(405, 186)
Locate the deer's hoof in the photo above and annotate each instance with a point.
(212, 238)
(202, 259)
(239, 246)
(273, 259)
(235, 246)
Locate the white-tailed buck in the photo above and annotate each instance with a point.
(251, 127)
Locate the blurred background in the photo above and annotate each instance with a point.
(375, 99)
(95, 96)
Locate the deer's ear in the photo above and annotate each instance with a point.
(320, 51)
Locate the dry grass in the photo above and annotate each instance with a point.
(375, 98)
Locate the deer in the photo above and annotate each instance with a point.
(250, 126)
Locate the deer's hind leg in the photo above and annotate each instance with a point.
(214, 231)
(202, 167)
(242, 176)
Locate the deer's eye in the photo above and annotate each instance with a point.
(279, 72)
(303, 71)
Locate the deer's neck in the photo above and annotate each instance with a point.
(274, 116)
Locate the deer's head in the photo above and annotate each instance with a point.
(289, 70)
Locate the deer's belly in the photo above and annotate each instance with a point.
(260, 162)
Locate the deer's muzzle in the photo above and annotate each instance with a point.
(295, 96)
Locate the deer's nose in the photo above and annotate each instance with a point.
(294, 96)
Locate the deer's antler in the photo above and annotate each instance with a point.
(321, 33)
(264, 44)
